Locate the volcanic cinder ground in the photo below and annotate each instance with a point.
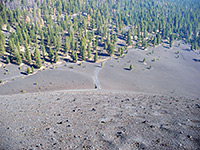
(73, 106)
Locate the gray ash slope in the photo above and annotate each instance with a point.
(98, 120)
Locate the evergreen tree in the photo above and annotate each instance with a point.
(17, 57)
(76, 57)
(51, 54)
(32, 68)
(128, 41)
(27, 54)
(28, 71)
(96, 57)
(42, 48)
(38, 62)
(56, 58)
(110, 49)
(7, 60)
(66, 47)
(131, 67)
(89, 51)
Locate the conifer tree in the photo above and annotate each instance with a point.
(51, 54)
(129, 38)
(17, 57)
(96, 57)
(27, 54)
(38, 62)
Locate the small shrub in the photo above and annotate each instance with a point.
(131, 67)
(32, 69)
(28, 70)
(1, 81)
(23, 91)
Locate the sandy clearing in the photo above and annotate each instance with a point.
(169, 75)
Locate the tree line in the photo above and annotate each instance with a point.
(46, 31)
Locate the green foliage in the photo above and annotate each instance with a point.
(51, 54)
(32, 69)
(111, 49)
(128, 41)
(7, 59)
(147, 21)
(101, 64)
(28, 71)
(17, 57)
(27, 54)
(96, 57)
(38, 61)
(56, 58)
(131, 67)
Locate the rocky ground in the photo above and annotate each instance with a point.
(98, 120)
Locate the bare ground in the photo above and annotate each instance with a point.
(98, 120)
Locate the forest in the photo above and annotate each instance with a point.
(36, 32)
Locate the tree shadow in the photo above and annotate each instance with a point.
(128, 69)
(166, 47)
(122, 45)
(90, 61)
(103, 54)
(186, 49)
(196, 60)
(24, 73)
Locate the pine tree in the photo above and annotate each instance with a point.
(51, 54)
(38, 62)
(129, 38)
(56, 58)
(110, 49)
(17, 57)
(7, 60)
(28, 71)
(32, 68)
(131, 67)
(89, 51)
(27, 54)
(2, 49)
(66, 47)
(96, 57)
(76, 57)
(42, 48)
